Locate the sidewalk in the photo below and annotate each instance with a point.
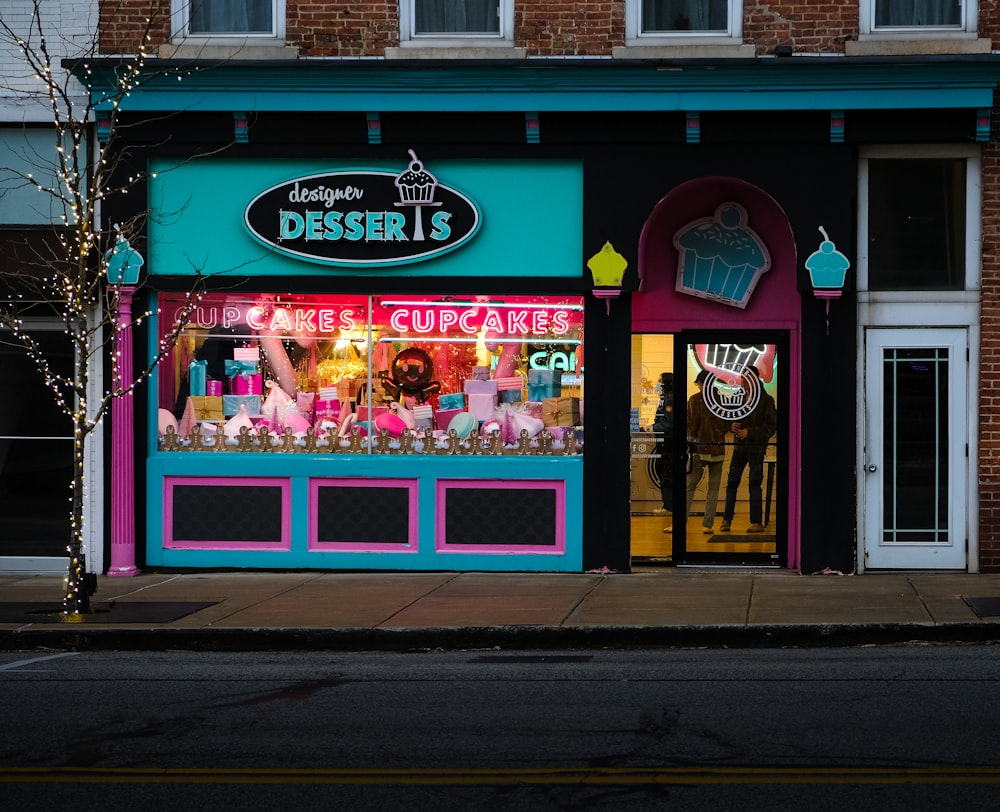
(414, 611)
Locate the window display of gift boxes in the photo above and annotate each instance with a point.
(303, 369)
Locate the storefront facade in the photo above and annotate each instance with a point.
(467, 454)
(670, 167)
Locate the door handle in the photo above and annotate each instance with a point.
(872, 468)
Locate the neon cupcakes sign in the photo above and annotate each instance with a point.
(363, 217)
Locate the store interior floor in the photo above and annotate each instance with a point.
(650, 543)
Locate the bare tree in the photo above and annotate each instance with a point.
(69, 277)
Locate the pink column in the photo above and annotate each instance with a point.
(122, 445)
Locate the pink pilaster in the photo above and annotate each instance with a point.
(122, 445)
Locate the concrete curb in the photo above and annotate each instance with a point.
(76, 638)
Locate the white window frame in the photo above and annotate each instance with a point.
(408, 38)
(180, 32)
(635, 36)
(969, 26)
(973, 216)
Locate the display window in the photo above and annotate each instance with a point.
(374, 374)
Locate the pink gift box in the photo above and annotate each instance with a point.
(533, 408)
(477, 387)
(304, 403)
(481, 373)
(327, 409)
(362, 412)
(213, 388)
(513, 382)
(246, 354)
(483, 407)
(443, 417)
(246, 384)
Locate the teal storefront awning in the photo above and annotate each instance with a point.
(764, 83)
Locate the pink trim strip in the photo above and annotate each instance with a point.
(171, 543)
(413, 535)
(441, 544)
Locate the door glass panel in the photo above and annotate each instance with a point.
(732, 426)
(704, 481)
(651, 491)
(36, 452)
(915, 451)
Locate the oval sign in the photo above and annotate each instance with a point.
(363, 217)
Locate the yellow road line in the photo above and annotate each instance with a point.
(555, 775)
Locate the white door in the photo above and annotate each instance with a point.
(915, 455)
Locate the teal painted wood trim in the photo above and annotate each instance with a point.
(427, 470)
(577, 85)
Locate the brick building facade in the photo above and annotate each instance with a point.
(803, 101)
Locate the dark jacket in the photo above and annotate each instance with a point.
(762, 422)
(663, 420)
(706, 431)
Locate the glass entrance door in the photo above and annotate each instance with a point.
(708, 439)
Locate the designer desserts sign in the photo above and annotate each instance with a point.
(363, 217)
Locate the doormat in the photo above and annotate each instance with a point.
(105, 612)
(735, 538)
(983, 607)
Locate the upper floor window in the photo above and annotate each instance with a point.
(226, 19)
(919, 219)
(906, 17)
(456, 23)
(655, 22)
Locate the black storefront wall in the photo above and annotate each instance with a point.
(815, 184)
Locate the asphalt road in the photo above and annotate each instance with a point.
(861, 728)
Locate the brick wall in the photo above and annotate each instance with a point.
(989, 373)
(124, 24)
(340, 28)
(324, 28)
(552, 28)
(807, 27)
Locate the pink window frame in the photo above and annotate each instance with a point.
(441, 544)
(284, 484)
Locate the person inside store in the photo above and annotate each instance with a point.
(750, 438)
(706, 435)
(663, 428)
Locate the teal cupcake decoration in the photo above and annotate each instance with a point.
(720, 257)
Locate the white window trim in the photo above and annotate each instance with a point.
(179, 19)
(409, 39)
(969, 27)
(634, 35)
(973, 217)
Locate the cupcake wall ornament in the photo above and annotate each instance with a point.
(416, 188)
(720, 257)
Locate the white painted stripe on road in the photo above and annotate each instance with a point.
(33, 660)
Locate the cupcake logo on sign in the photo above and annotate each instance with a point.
(720, 257)
(735, 375)
(363, 217)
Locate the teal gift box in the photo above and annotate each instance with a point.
(231, 404)
(544, 383)
(452, 400)
(198, 378)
